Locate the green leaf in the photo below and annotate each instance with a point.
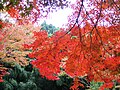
(1, 6)
(22, 86)
(59, 82)
(31, 85)
(13, 82)
(4, 1)
(8, 86)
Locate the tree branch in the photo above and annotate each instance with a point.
(76, 21)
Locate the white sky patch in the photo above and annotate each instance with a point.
(6, 17)
(58, 18)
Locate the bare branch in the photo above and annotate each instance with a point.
(76, 22)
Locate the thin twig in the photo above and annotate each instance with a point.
(75, 21)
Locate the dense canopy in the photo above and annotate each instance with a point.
(89, 48)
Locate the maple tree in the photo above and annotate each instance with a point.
(90, 48)
(31, 10)
(3, 34)
(83, 57)
(16, 36)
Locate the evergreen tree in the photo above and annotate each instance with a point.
(49, 28)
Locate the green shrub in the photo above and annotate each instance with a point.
(29, 78)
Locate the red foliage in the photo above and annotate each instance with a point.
(91, 51)
(13, 12)
(106, 85)
(87, 56)
(76, 84)
(3, 35)
(2, 72)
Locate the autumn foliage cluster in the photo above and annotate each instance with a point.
(89, 48)
(13, 50)
(78, 56)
